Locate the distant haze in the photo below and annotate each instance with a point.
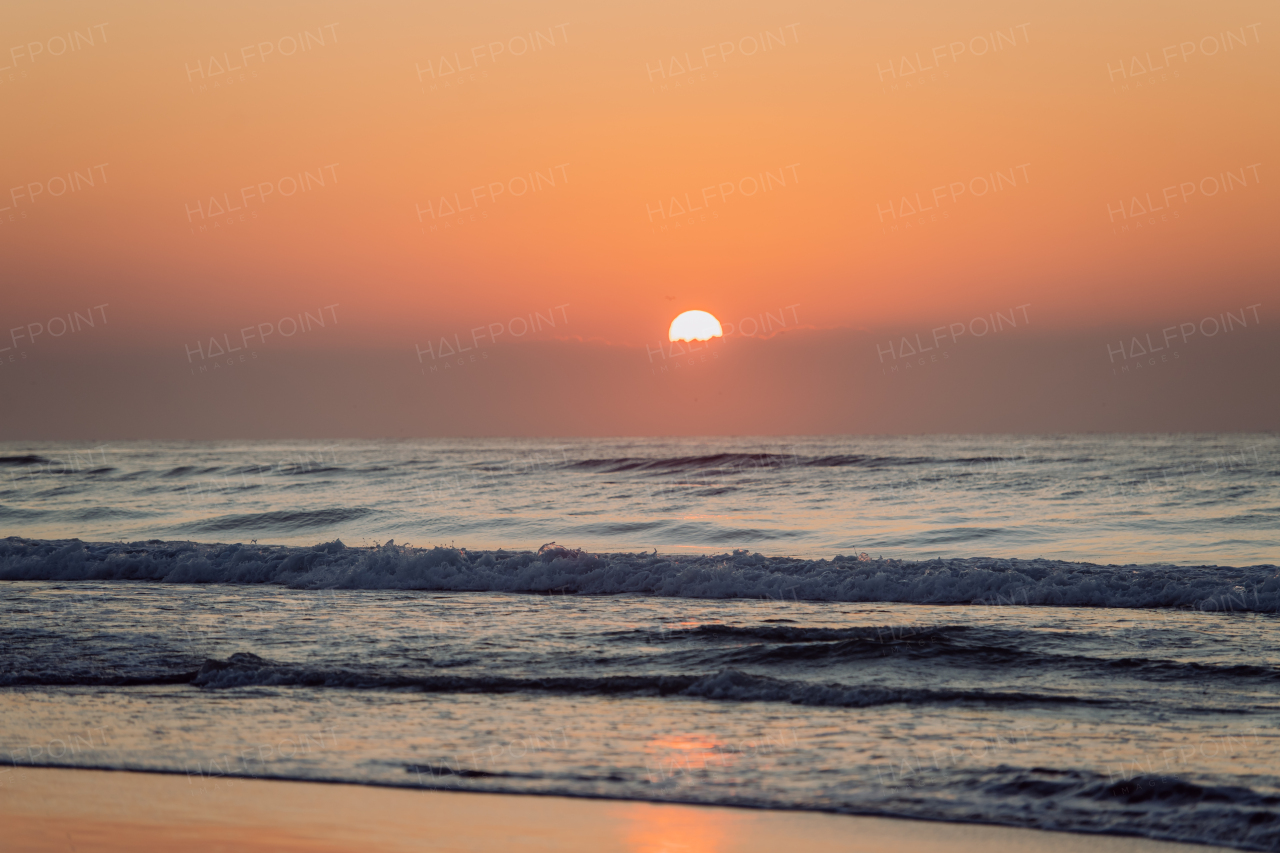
(797, 382)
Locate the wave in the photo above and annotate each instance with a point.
(106, 513)
(980, 581)
(1207, 810)
(797, 634)
(436, 771)
(244, 669)
(185, 470)
(22, 514)
(19, 678)
(735, 686)
(727, 462)
(248, 670)
(743, 462)
(27, 459)
(278, 521)
(953, 645)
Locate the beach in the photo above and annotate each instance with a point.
(91, 811)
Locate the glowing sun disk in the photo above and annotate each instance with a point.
(694, 326)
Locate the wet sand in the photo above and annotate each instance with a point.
(107, 811)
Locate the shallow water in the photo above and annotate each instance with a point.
(1160, 722)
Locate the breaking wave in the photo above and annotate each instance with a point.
(553, 569)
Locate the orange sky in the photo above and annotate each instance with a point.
(692, 167)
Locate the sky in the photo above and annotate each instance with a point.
(370, 219)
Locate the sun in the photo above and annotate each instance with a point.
(695, 326)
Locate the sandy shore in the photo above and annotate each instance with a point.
(90, 811)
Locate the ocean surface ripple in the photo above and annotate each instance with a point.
(1181, 499)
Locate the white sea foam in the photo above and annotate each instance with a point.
(986, 581)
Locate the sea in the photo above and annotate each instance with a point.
(1073, 632)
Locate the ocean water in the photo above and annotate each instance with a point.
(1185, 500)
(1074, 633)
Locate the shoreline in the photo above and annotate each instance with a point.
(54, 808)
